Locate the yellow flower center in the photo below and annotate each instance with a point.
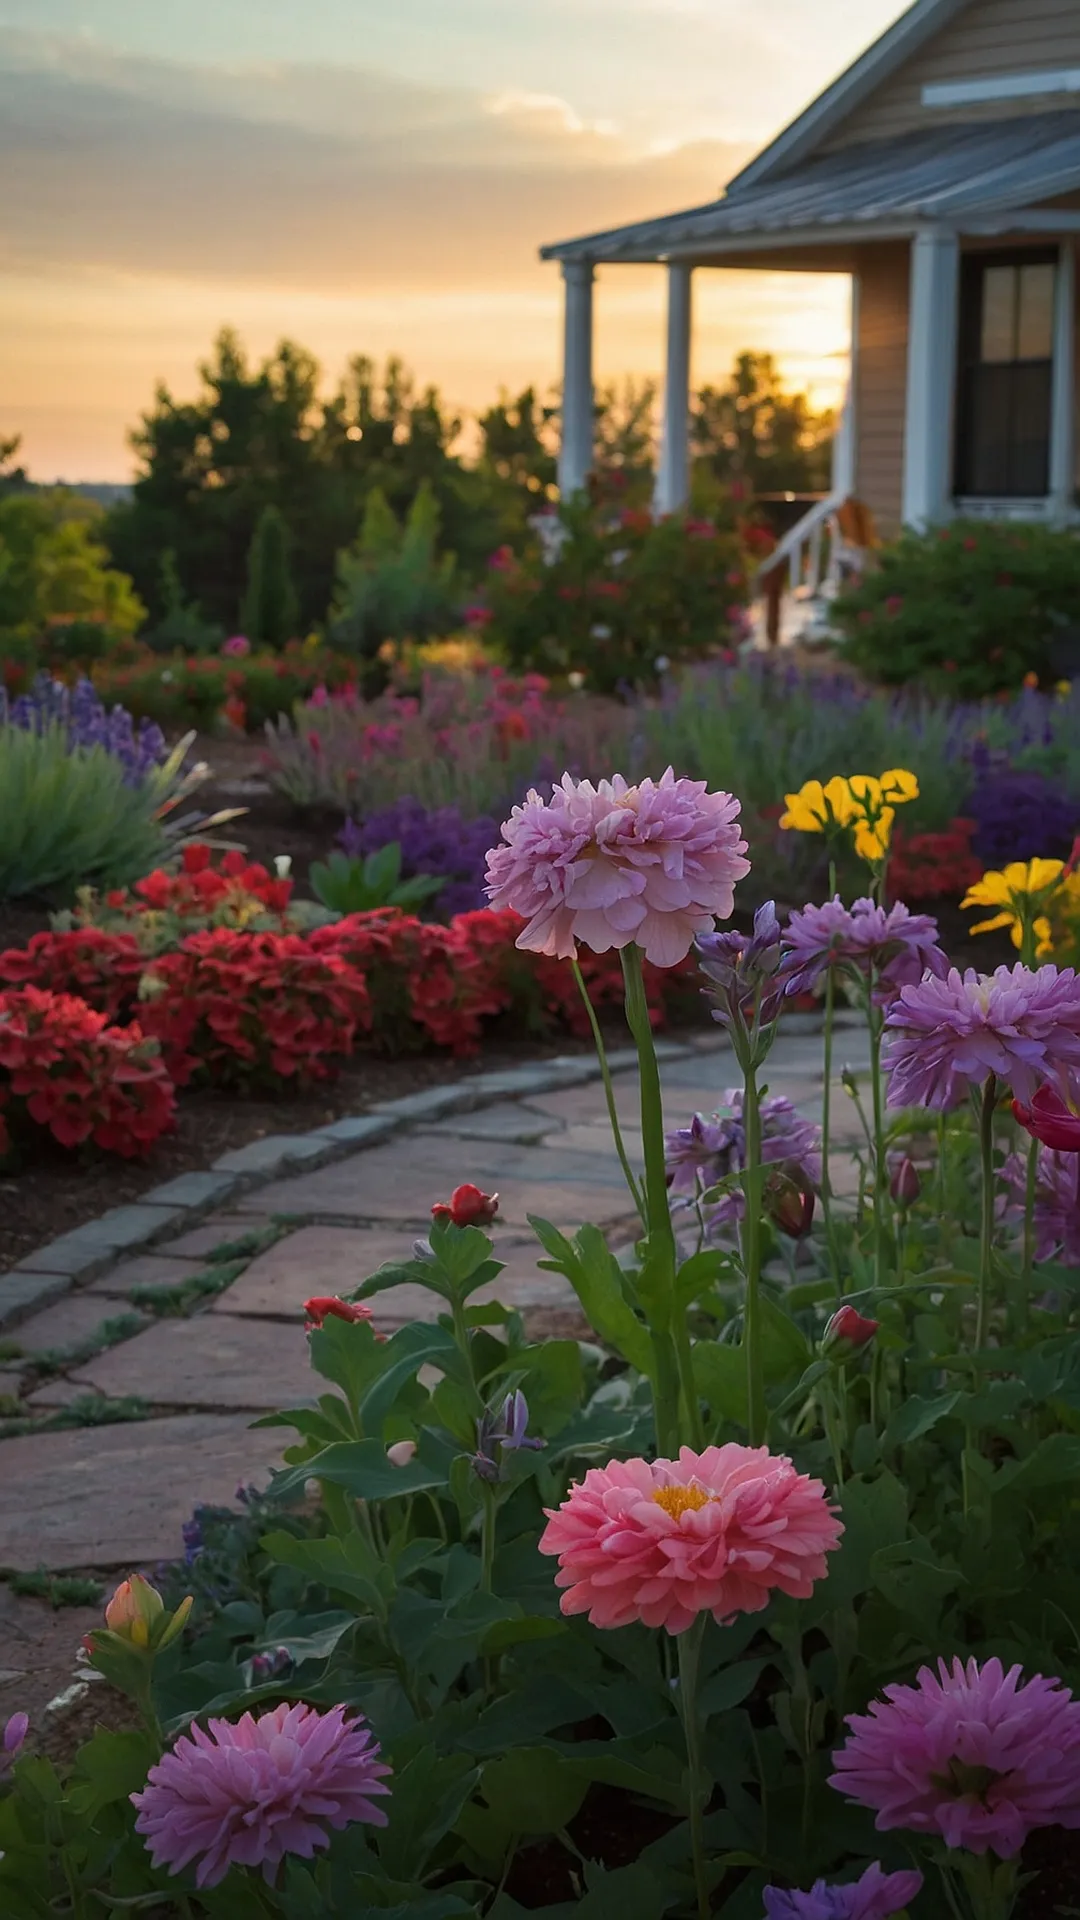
(680, 1500)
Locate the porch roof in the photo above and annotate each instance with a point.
(941, 173)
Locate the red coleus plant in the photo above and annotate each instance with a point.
(932, 866)
(64, 1068)
(104, 969)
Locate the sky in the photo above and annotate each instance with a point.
(376, 176)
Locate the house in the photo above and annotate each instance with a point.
(941, 172)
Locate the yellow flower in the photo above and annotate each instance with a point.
(898, 786)
(815, 808)
(872, 841)
(1019, 890)
(1063, 688)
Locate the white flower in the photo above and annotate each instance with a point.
(620, 554)
(576, 680)
(282, 865)
(661, 663)
(600, 633)
(167, 675)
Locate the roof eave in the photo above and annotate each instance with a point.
(748, 240)
(848, 91)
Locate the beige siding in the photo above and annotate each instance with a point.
(987, 37)
(881, 382)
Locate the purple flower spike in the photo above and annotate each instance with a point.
(876, 1896)
(745, 971)
(712, 1148)
(501, 1433)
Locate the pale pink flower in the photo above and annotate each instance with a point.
(246, 1794)
(615, 865)
(666, 1540)
(968, 1753)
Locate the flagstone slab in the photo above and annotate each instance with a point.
(146, 1270)
(209, 1361)
(75, 1318)
(310, 1261)
(215, 1232)
(117, 1496)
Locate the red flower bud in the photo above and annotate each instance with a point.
(468, 1207)
(905, 1185)
(847, 1332)
(326, 1306)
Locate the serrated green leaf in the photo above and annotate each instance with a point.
(597, 1279)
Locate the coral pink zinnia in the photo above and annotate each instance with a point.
(666, 1540)
(246, 1794)
(968, 1753)
(614, 866)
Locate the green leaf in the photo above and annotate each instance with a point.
(346, 1352)
(362, 1468)
(398, 1273)
(699, 1273)
(913, 1581)
(916, 1416)
(784, 1347)
(514, 1633)
(346, 1566)
(597, 1279)
(875, 1515)
(108, 1768)
(460, 1253)
(427, 1798)
(406, 1351)
(533, 1790)
(1055, 1462)
(730, 1687)
(720, 1378)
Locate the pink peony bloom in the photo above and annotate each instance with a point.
(943, 1036)
(245, 1795)
(663, 1541)
(237, 646)
(614, 865)
(968, 1753)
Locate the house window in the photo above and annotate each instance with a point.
(1005, 376)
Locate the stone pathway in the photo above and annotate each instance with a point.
(111, 1496)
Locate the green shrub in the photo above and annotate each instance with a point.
(269, 614)
(392, 583)
(68, 820)
(968, 609)
(615, 595)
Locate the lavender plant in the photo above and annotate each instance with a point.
(87, 722)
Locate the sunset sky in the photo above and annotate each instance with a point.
(375, 176)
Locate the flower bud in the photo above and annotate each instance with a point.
(327, 1306)
(134, 1609)
(847, 1333)
(401, 1452)
(468, 1207)
(789, 1206)
(905, 1185)
(12, 1737)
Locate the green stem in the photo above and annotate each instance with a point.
(1030, 1186)
(826, 1123)
(609, 1095)
(661, 1235)
(487, 1538)
(689, 1644)
(751, 1252)
(879, 1137)
(986, 1235)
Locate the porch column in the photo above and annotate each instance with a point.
(1063, 388)
(673, 473)
(576, 448)
(931, 376)
(844, 461)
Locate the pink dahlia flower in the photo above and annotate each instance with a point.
(713, 1532)
(943, 1036)
(875, 1896)
(1056, 1217)
(614, 866)
(968, 1753)
(246, 1794)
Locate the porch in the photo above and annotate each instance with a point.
(959, 246)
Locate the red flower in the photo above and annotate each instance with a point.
(569, 593)
(847, 1332)
(1050, 1120)
(970, 544)
(949, 666)
(325, 1306)
(469, 1207)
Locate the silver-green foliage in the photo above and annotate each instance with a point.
(67, 819)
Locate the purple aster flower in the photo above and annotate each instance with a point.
(876, 1896)
(969, 1753)
(1057, 1202)
(896, 945)
(713, 1148)
(945, 1035)
(744, 969)
(247, 1794)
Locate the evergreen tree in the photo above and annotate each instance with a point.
(269, 612)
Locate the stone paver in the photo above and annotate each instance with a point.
(117, 1496)
(209, 1361)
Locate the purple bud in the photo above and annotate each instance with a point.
(905, 1185)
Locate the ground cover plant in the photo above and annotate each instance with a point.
(758, 1601)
